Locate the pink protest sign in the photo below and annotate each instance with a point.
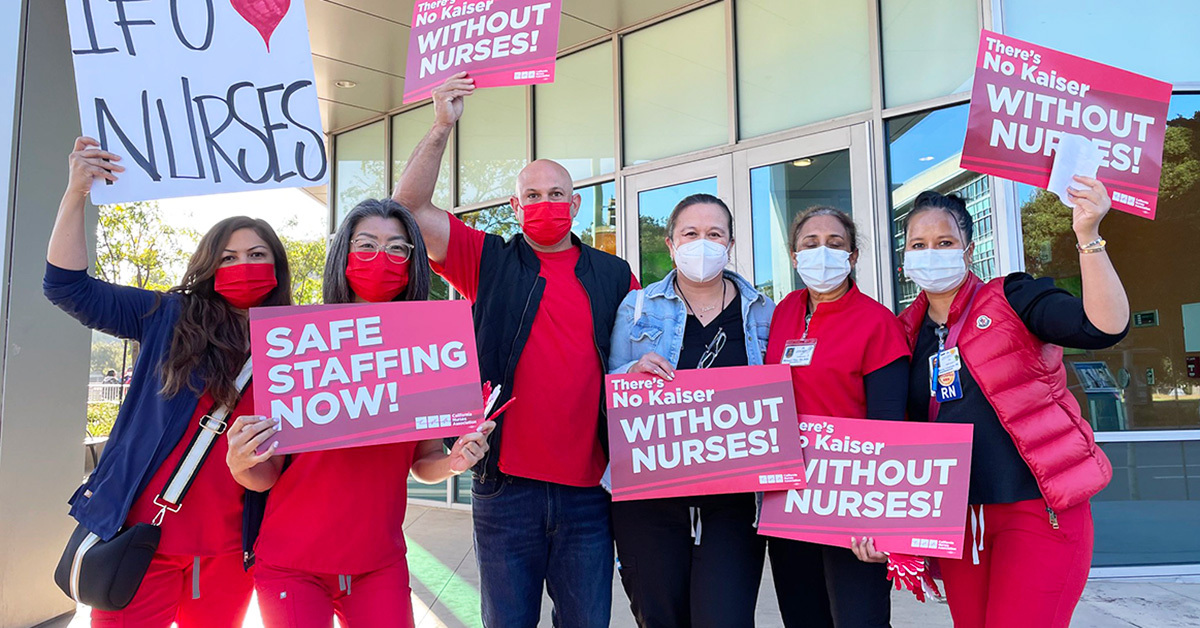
(351, 375)
(1025, 96)
(499, 42)
(709, 431)
(905, 484)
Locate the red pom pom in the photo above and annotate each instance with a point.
(912, 573)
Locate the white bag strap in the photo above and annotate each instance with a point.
(212, 425)
(637, 306)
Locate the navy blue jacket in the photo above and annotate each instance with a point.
(510, 292)
(148, 426)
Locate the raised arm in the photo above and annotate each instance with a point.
(117, 310)
(415, 188)
(68, 241)
(1104, 298)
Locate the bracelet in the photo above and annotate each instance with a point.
(1095, 246)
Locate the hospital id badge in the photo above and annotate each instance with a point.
(948, 361)
(799, 352)
(948, 387)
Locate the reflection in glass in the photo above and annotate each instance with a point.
(1155, 260)
(675, 88)
(1155, 491)
(788, 47)
(359, 170)
(491, 144)
(500, 220)
(462, 487)
(428, 492)
(408, 129)
(654, 208)
(596, 222)
(777, 194)
(574, 114)
(925, 58)
(923, 154)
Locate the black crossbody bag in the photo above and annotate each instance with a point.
(106, 574)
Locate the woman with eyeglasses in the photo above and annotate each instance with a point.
(849, 359)
(691, 561)
(331, 540)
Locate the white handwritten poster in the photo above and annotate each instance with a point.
(198, 96)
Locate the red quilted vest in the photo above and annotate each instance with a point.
(1026, 382)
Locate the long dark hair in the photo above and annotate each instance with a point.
(337, 289)
(212, 338)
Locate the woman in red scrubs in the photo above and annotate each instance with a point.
(849, 359)
(331, 540)
(193, 341)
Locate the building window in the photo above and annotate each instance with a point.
(492, 144)
(574, 115)
(654, 209)
(676, 96)
(360, 168)
(929, 48)
(1143, 382)
(777, 194)
(596, 222)
(799, 62)
(923, 154)
(408, 129)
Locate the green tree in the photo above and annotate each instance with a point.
(136, 247)
(306, 260)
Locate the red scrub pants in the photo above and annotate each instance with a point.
(1028, 573)
(298, 599)
(190, 591)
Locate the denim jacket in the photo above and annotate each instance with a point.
(659, 324)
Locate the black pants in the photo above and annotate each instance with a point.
(819, 586)
(674, 580)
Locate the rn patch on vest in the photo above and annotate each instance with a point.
(983, 322)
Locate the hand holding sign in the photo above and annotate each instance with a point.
(448, 98)
(1091, 205)
(88, 163)
(246, 435)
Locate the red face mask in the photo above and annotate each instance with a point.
(246, 285)
(548, 222)
(377, 280)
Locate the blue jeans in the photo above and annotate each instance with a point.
(528, 533)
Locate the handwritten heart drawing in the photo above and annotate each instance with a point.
(263, 15)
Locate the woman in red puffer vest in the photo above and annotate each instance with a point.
(990, 354)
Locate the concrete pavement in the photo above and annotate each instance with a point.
(445, 587)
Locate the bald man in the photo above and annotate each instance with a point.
(544, 304)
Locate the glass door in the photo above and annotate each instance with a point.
(778, 181)
(649, 199)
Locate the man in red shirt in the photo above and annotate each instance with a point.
(544, 305)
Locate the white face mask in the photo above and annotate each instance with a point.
(822, 269)
(701, 260)
(936, 270)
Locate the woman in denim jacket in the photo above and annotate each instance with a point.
(691, 561)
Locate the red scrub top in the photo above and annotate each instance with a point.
(210, 521)
(339, 511)
(547, 437)
(855, 335)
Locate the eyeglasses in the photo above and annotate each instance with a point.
(397, 252)
(713, 349)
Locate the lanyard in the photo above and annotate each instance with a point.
(949, 340)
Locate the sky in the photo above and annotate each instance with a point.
(290, 211)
